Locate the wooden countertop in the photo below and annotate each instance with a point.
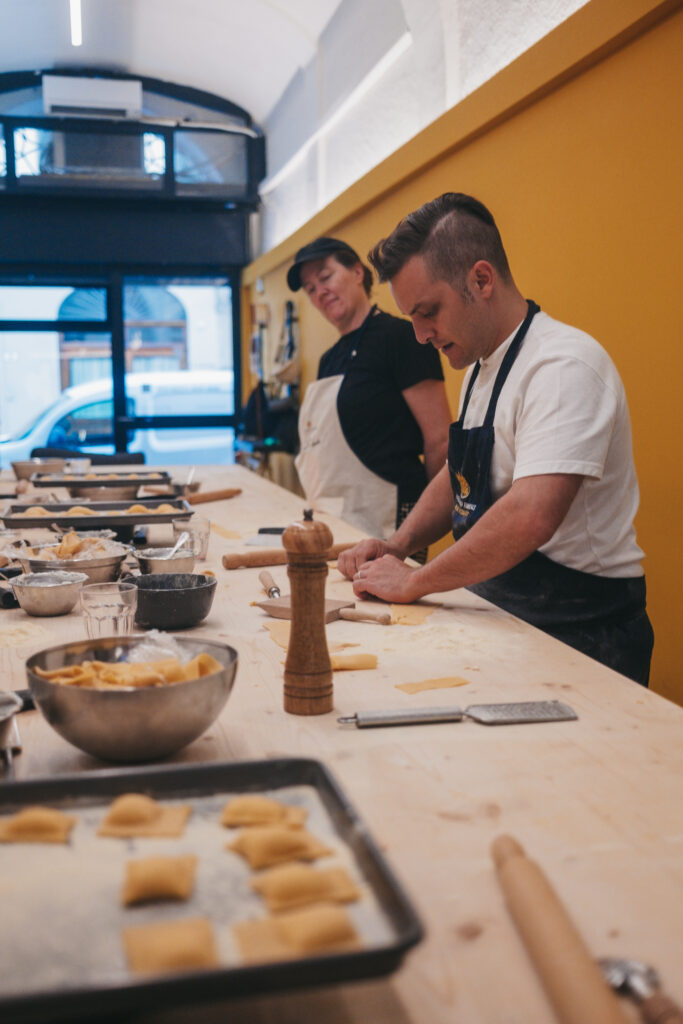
(597, 802)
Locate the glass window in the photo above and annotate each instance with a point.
(93, 159)
(54, 303)
(210, 162)
(88, 425)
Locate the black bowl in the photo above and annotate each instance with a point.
(173, 600)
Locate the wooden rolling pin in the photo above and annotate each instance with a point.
(572, 980)
(271, 556)
(199, 497)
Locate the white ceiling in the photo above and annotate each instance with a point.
(244, 50)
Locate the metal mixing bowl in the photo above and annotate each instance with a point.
(98, 570)
(53, 593)
(130, 724)
(26, 467)
(156, 560)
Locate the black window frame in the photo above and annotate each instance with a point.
(112, 279)
(164, 126)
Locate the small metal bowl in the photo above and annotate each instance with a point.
(53, 593)
(173, 600)
(156, 560)
(98, 570)
(26, 467)
(130, 724)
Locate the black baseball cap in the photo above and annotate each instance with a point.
(316, 250)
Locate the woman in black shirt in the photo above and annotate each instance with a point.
(379, 402)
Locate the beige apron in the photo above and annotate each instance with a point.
(332, 476)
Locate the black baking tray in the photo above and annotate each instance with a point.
(193, 987)
(102, 517)
(82, 482)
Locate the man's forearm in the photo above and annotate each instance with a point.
(428, 521)
(515, 526)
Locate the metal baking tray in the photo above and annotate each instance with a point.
(102, 517)
(111, 991)
(91, 480)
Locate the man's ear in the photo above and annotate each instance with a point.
(481, 278)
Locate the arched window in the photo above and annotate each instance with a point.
(155, 333)
(180, 142)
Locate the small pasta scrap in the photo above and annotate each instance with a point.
(255, 809)
(323, 928)
(168, 946)
(37, 825)
(134, 814)
(159, 878)
(266, 845)
(295, 885)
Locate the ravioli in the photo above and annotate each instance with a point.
(37, 825)
(168, 946)
(266, 845)
(159, 878)
(135, 814)
(254, 809)
(323, 928)
(295, 885)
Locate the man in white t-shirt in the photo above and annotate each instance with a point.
(540, 489)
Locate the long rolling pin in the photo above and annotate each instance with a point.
(199, 497)
(271, 556)
(572, 980)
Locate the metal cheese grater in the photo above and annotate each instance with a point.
(487, 714)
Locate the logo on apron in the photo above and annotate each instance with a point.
(461, 507)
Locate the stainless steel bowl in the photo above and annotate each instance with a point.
(98, 570)
(53, 593)
(156, 560)
(130, 724)
(26, 467)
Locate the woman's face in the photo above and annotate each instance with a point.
(336, 291)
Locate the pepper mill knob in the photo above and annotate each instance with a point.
(308, 672)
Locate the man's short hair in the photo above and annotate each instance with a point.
(450, 233)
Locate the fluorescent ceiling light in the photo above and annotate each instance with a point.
(76, 25)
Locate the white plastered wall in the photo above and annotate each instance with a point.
(431, 54)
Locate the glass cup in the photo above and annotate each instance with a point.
(108, 608)
(77, 466)
(199, 528)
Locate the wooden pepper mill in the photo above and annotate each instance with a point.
(308, 672)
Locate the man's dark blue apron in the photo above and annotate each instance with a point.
(602, 616)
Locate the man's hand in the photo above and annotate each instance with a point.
(387, 578)
(350, 561)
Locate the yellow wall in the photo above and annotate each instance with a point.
(576, 148)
